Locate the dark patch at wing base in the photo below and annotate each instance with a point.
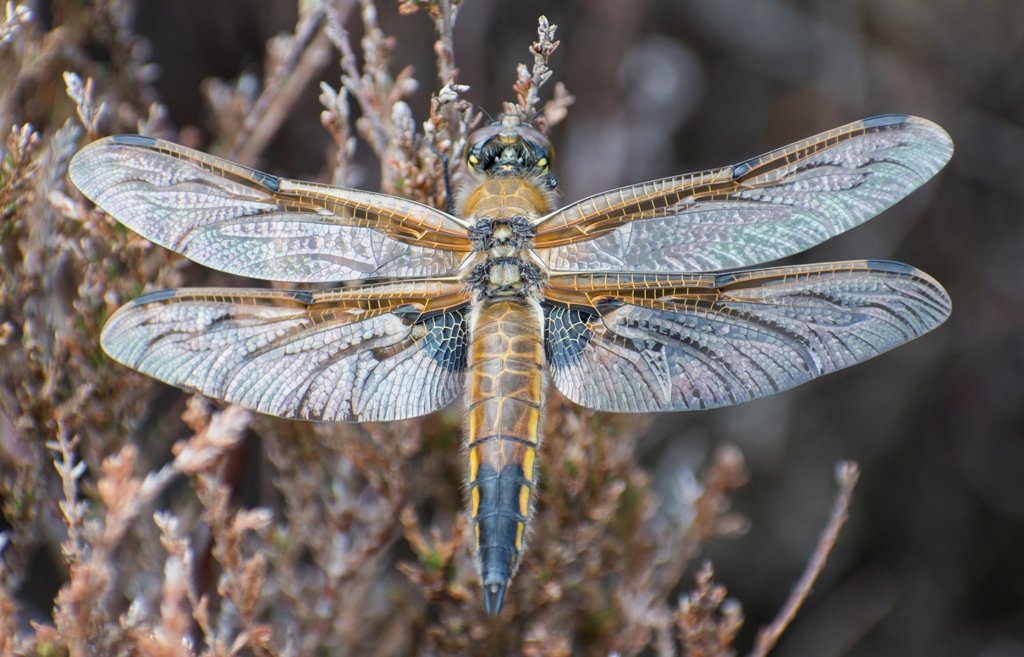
(567, 334)
(445, 339)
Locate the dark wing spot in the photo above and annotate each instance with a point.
(133, 140)
(273, 183)
(885, 120)
(891, 266)
(445, 339)
(567, 334)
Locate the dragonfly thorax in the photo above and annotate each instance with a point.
(502, 247)
(502, 237)
(510, 276)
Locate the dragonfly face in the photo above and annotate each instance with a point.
(509, 147)
(633, 300)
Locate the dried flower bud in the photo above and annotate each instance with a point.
(15, 17)
(81, 94)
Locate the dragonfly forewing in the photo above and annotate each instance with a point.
(766, 208)
(242, 221)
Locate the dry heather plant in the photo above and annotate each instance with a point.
(259, 536)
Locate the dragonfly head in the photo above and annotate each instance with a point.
(509, 147)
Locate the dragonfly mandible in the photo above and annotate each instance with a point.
(634, 300)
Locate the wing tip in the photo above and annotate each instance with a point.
(82, 169)
(154, 296)
(900, 269)
(941, 300)
(111, 329)
(935, 133)
(272, 183)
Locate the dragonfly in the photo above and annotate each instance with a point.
(636, 300)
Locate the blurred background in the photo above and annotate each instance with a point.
(932, 562)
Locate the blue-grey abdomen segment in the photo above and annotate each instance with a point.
(500, 524)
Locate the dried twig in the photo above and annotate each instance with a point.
(847, 473)
(305, 54)
(72, 508)
(707, 620)
(529, 80)
(16, 169)
(386, 119)
(15, 17)
(337, 120)
(88, 111)
(444, 13)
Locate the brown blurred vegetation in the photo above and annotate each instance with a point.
(285, 538)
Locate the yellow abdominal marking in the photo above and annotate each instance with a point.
(524, 500)
(531, 428)
(519, 535)
(528, 458)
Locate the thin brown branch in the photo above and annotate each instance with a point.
(298, 60)
(444, 48)
(847, 473)
(314, 58)
(72, 508)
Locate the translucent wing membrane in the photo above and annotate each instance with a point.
(242, 221)
(642, 343)
(369, 353)
(764, 209)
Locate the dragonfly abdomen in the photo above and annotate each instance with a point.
(505, 398)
